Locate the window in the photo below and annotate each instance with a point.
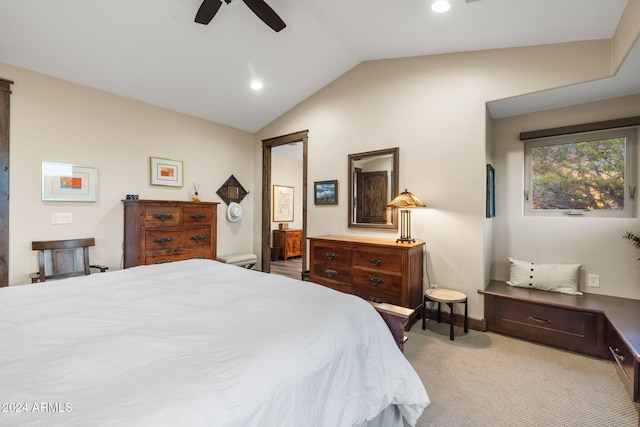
(590, 174)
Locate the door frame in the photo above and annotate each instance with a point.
(5, 109)
(267, 145)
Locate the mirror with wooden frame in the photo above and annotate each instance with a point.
(373, 182)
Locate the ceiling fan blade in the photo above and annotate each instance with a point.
(264, 12)
(207, 11)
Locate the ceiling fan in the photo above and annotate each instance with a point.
(209, 8)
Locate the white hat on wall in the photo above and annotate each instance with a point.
(234, 212)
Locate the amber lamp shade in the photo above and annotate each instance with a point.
(405, 201)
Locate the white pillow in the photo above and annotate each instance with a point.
(563, 278)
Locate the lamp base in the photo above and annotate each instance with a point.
(405, 227)
(405, 240)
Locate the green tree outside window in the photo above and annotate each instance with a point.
(587, 175)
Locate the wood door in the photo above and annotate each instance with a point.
(371, 206)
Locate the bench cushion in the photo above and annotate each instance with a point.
(238, 258)
(563, 278)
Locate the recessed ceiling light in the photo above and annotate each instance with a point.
(440, 6)
(256, 85)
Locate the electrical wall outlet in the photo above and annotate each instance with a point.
(61, 218)
(594, 280)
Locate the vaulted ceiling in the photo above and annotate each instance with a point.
(153, 51)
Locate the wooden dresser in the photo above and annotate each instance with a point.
(158, 231)
(289, 242)
(379, 270)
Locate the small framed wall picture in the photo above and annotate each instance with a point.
(165, 172)
(325, 192)
(282, 203)
(491, 192)
(69, 183)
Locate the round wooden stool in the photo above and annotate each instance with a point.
(448, 297)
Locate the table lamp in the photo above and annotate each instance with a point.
(405, 201)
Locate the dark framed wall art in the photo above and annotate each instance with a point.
(491, 192)
(325, 192)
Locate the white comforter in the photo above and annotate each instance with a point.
(196, 343)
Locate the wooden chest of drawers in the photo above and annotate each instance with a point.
(163, 231)
(375, 269)
(289, 242)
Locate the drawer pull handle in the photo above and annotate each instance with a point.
(618, 358)
(376, 261)
(164, 262)
(378, 300)
(197, 238)
(163, 240)
(537, 319)
(331, 273)
(198, 257)
(198, 217)
(331, 255)
(163, 217)
(616, 351)
(376, 280)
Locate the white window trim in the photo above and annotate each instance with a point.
(630, 173)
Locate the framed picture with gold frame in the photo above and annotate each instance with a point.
(165, 172)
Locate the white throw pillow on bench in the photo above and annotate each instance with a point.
(563, 278)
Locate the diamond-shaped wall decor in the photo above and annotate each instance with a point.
(232, 191)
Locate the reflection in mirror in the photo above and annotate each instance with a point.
(373, 182)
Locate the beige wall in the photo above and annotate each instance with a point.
(434, 109)
(57, 121)
(596, 243)
(626, 34)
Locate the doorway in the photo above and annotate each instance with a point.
(267, 193)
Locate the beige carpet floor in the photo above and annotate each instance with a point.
(486, 379)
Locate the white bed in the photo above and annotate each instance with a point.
(198, 343)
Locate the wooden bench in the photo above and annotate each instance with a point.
(596, 325)
(240, 259)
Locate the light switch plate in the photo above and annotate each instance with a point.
(61, 218)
